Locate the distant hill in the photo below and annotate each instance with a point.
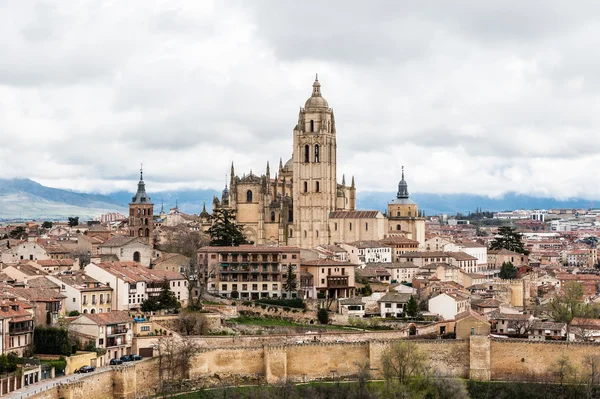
(26, 199)
(434, 204)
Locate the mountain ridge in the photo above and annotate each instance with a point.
(27, 199)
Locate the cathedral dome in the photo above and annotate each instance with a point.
(315, 100)
(289, 165)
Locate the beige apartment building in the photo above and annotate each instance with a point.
(248, 271)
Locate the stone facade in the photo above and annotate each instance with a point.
(295, 206)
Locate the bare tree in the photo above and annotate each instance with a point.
(191, 323)
(563, 370)
(174, 357)
(523, 327)
(591, 364)
(402, 361)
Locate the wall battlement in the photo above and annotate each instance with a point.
(480, 358)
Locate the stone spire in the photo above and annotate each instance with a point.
(343, 180)
(352, 186)
(140, 196)
(268, 170)
(204, 214)
(402, 188)
(280, 165)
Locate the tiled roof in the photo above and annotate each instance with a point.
(42, 282)
(368, 244)
(134, 272)
(325, 262)
(119, 241)
(353, 214)
(473, 314)
(81, 281)
(36, 295)
(28, 270)
(250, 249)
(425, 254)
(395, 297)
(461, 256)
(395, 239)
(548, 325)
(107, 318)
(583, 322)
(351, 301)
(55, 262)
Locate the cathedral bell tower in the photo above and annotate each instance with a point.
(314, 171)
(141, 214)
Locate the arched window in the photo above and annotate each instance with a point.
(146, 221)
(305, 187)
(317, 188)
(350, 226)
(398, 227)
(143, 212)
(291, 232)
(306, 153)
(93, 311)
(136, 256)
(84, 310)
(272, 216)
(290, 216)
(147, 232)
(305, 234)
(312, 125)
(140, 232)
(317, 232)
(409, 213)
(139, 211)
(329, 126)
(141, 221)
(316, 153)
(249, 196)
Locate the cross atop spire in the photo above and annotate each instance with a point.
(141, 171)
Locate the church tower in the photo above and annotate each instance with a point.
(404, 217)
(141, 213)
(314, 172)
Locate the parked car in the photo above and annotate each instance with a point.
(85, 369)
(127, 358)
(136, 357)
(115, 362)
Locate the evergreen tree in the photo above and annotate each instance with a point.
(167, 298)
(323, 316)
(73, 221)
(290, 284)
(47, 225)
(150, 305)
(412, 307)
(508, 271)
(224, 232)
(509, 238)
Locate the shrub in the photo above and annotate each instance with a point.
(286, 308)
(247, 303)
(323, 316)
(292, 303)
(263, 307)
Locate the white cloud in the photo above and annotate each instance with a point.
(470, 97)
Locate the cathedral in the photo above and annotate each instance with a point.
(301, 203)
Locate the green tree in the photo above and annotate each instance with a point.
(224, 232)
(291, 283)
(509, 238)
(167, 298)
(569, 304)
(412, 307)
(47, 225)
(150, 305)
(73, 221)
(18, 233)
(508, 271)
(323, 316)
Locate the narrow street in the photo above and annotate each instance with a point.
(43, 385)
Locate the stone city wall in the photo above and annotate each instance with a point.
(513, 359)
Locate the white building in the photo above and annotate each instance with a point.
(393, 304)
(448, 305)
(363, 252)
(128, 249)
(132, 283)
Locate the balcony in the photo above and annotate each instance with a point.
(116, 331)
(20, 330)
(337, 282)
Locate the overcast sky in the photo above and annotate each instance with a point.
(471, 96)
